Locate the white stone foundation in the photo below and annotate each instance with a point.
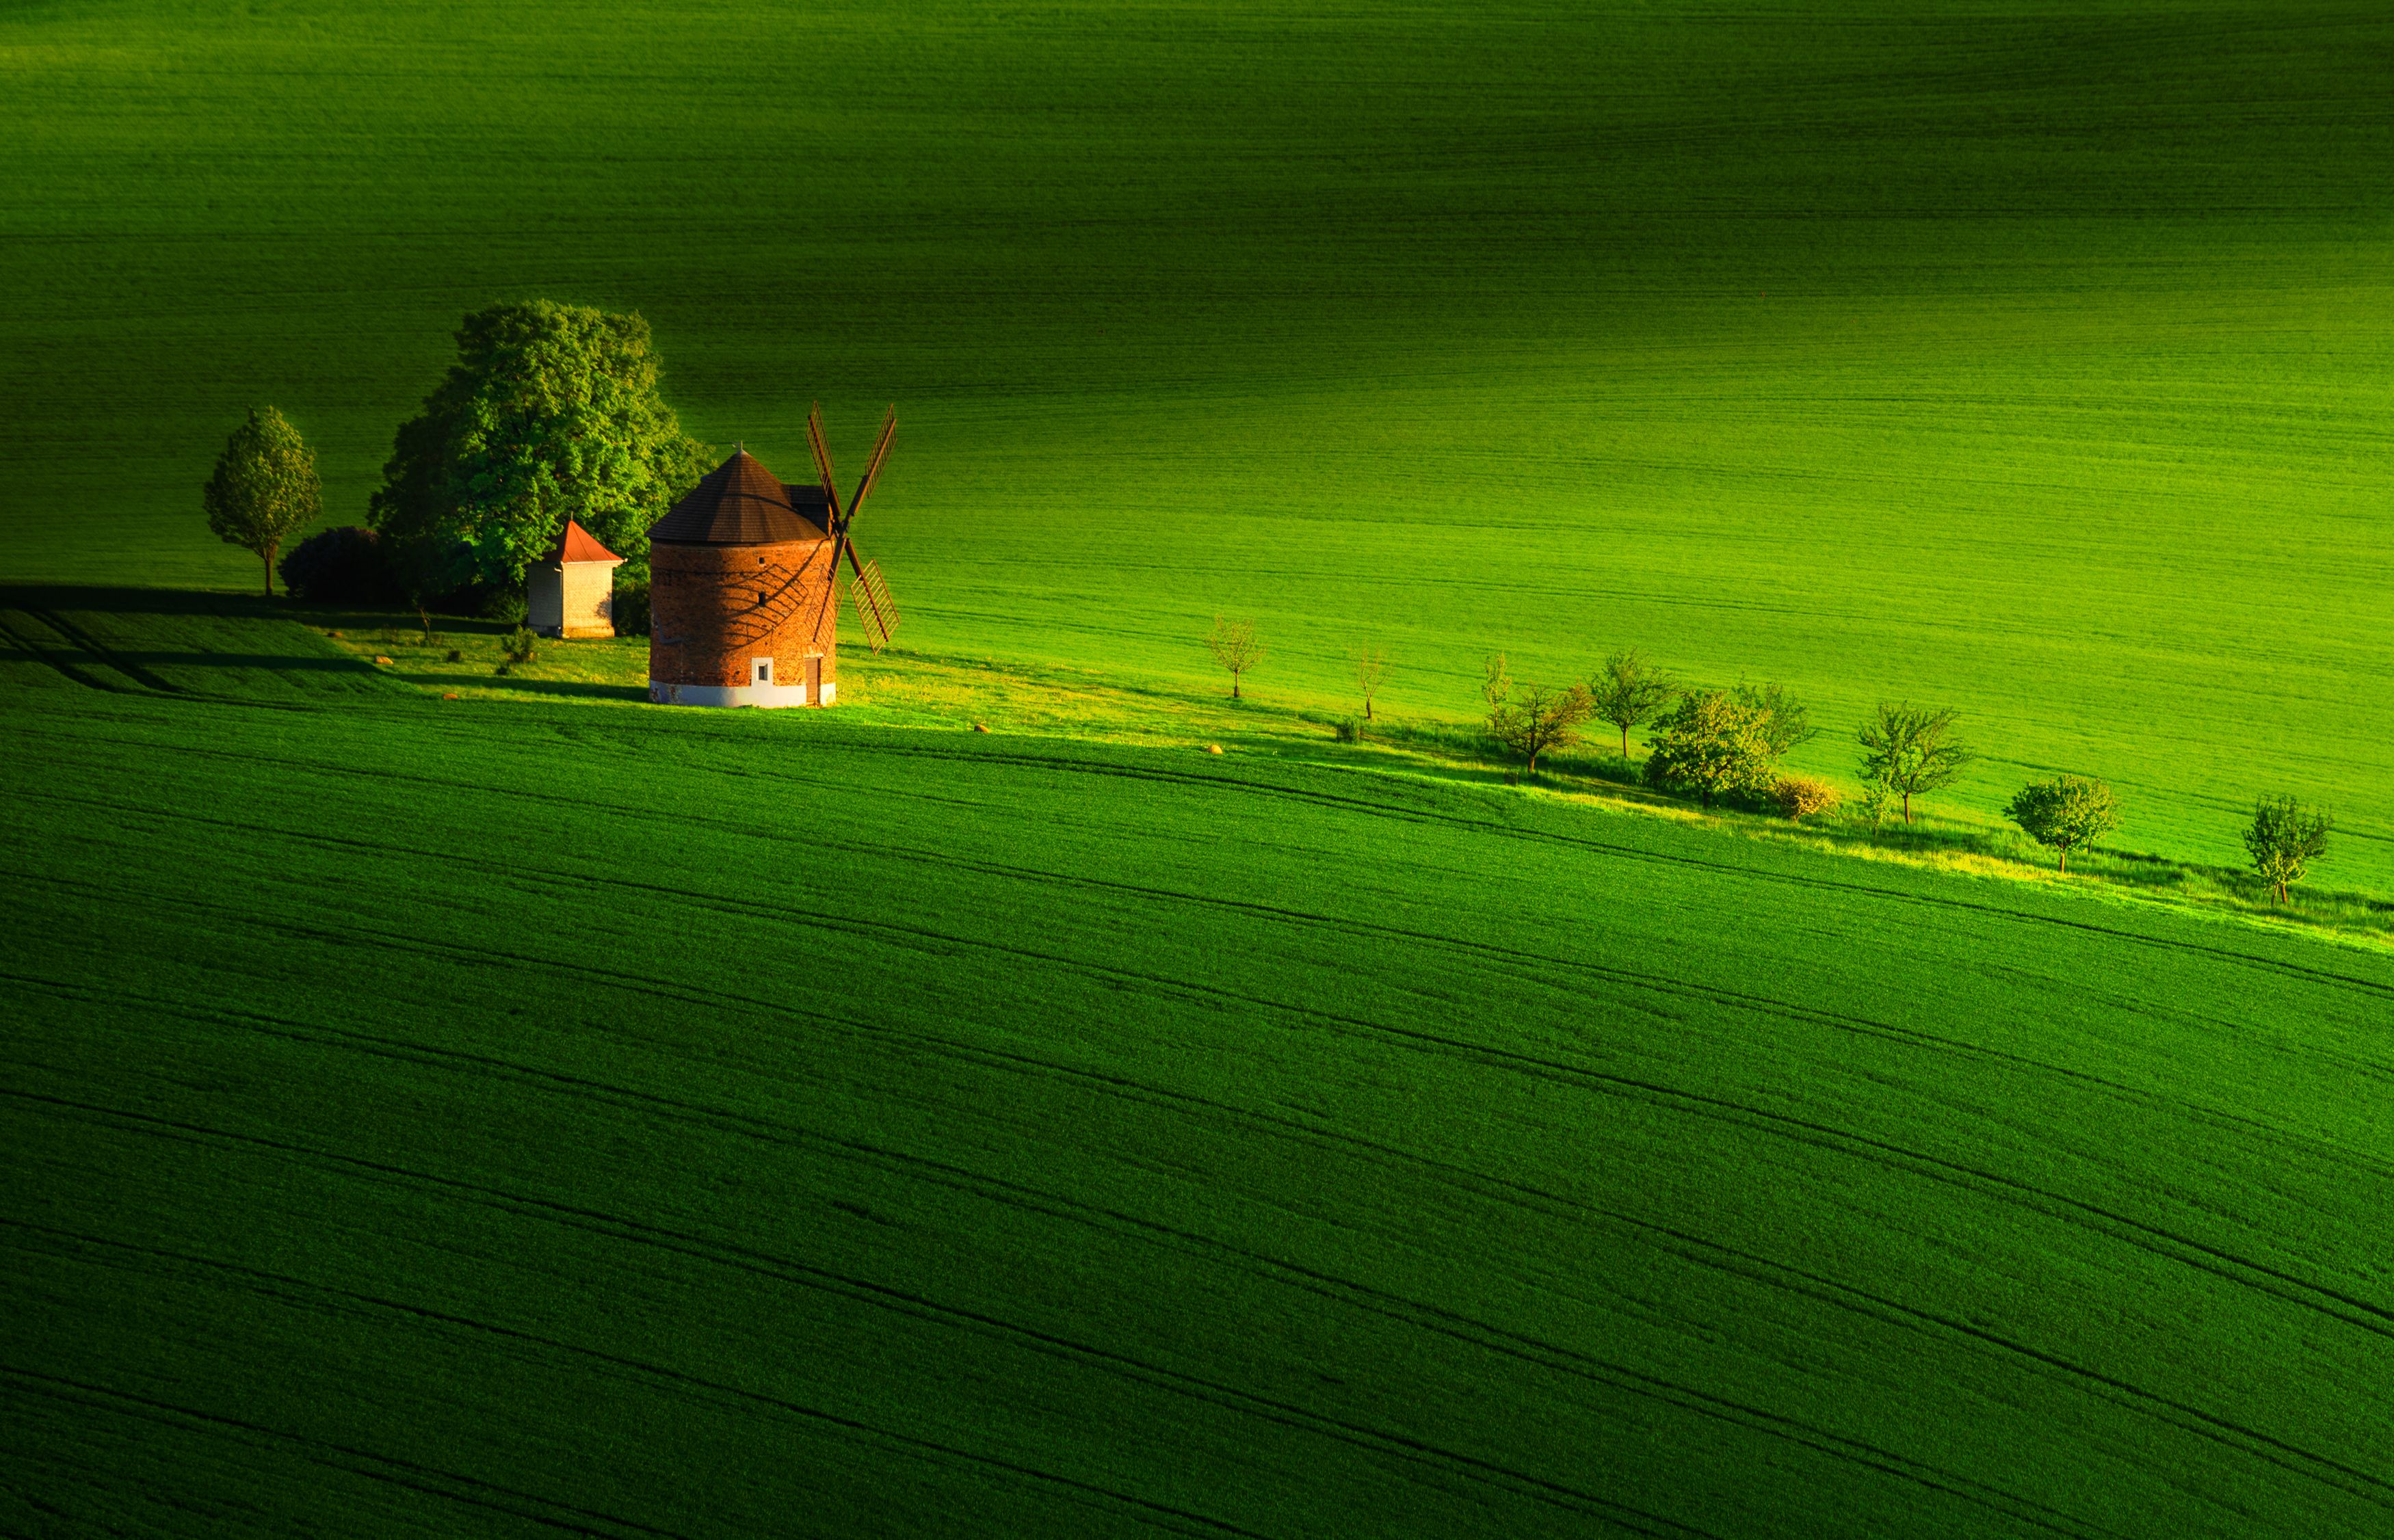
(662, 693)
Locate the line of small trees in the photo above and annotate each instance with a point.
(1727, 746)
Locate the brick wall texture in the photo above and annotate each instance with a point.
(713, 608)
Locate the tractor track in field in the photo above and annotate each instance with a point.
(424, 1479)
(2331, 1302)
(133, 827)
(1697, 1250)
(490, 1495)
(1521, 963)
(1710, 1253)
(1410, 1313)
(722, 1253)
(1224, 783)
(455, 1486)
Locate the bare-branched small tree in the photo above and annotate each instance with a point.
(1236, 647)
(1370, 667)
(1536, 717)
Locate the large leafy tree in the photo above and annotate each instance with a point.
(264, 488)
(551, 413)
(1786, 721)
(1718, 742)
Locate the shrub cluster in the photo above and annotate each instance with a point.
(339, 566)
(1799, 797)
(632, 609)
(1725, 746)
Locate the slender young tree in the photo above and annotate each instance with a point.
(265, 489)
(1909, 750)
(1495, 681)
(1370, 667)
(1537, 719)
(2284, 838)
(1786, 721)
(2065, 813)
(1236, 647)
(1628, 691)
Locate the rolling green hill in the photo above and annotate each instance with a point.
(506, 1116)
(2034, 363)
(430, 1117)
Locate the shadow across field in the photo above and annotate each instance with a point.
(585, 690)
(171, 643)
(214, 645)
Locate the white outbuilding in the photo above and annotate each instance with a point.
(571, 592)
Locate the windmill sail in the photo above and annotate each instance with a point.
(869, 593)
(874, 609)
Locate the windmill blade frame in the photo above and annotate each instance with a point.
(829, 608)
(876, 611)
(821, 448)
(873, 469)
(829, 605)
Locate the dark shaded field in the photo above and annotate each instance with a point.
(444, 1118)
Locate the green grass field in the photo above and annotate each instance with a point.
(2032, 364)
(498, 1117)
(536, 1112)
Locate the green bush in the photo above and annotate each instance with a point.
(2285, 837)
(1348, 731)
(521, 645)
(346, 565)
(505, 606)
(1717, 744)
(2065, 813)
(631, 610)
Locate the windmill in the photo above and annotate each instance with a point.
(869, 592)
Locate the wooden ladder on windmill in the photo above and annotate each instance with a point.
(876, 611)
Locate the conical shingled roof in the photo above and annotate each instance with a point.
(576, 544)
(741, 503)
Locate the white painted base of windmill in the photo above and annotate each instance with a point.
(662, 693)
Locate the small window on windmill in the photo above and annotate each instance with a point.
(762, 668)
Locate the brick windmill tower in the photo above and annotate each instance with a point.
(745, 584)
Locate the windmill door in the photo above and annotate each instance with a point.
(814, 681)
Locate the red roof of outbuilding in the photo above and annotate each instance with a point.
(741, 503)
(578, 544)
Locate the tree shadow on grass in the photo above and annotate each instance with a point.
(93, 599)
(584, 690)
(183, 642)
